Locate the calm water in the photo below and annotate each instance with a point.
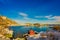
(23, 30)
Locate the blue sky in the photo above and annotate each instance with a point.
(34, 11)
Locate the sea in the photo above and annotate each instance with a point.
(24, 29)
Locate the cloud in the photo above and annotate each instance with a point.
(43, 16)
(31, 20)
(26, 19)
(38, 16)
(19, 21)
(23, 14)
(57, 18)
(49, 16)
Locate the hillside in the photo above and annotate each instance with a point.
(6, 21)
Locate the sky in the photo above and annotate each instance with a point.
(31, 11)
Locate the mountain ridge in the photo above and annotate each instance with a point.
(6, 21)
